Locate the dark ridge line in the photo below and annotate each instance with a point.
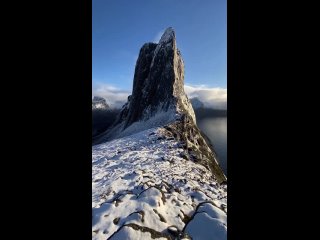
(162, 219)
(126, 192)
(154, 234)
(196, 212)
(163, 197)
(141, 212)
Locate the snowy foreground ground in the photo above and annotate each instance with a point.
(144, 189)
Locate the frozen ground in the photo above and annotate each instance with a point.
(143, 188)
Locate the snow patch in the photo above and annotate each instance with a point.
(142, 180)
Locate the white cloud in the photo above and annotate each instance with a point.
(211, 97)
(115, 97)
(156, 39)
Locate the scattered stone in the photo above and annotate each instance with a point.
(173, 230)
(116, 220)
(160, 216)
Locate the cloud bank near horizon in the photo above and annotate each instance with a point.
(211, 97)
(115, 97)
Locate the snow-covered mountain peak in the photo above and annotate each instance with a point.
(99, 103)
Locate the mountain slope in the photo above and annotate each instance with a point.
(144, 187)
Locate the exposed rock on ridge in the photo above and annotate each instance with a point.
(197, 145)
(158, 81)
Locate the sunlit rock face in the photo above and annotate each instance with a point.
(158, 88)
(158, 81)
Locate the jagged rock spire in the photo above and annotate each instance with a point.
(158, 81)
(158, 87)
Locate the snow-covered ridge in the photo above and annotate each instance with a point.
(145, 188)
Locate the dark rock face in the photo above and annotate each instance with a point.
(142, 71)
(197, 145)
(158, 82)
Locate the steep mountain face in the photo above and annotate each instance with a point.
(158, 81)
(158, 91)
(99, 103)
(196, 103)
(155, 174)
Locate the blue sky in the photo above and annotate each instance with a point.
(121, 27)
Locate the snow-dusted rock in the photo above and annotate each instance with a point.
(158, 88)
(144, 189)
(99, 103)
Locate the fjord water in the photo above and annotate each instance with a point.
(216, 130)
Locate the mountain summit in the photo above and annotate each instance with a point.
(158, 95)
(158, 81)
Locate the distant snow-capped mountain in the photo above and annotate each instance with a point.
(99, 103)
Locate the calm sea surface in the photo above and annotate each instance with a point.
(216, 130)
